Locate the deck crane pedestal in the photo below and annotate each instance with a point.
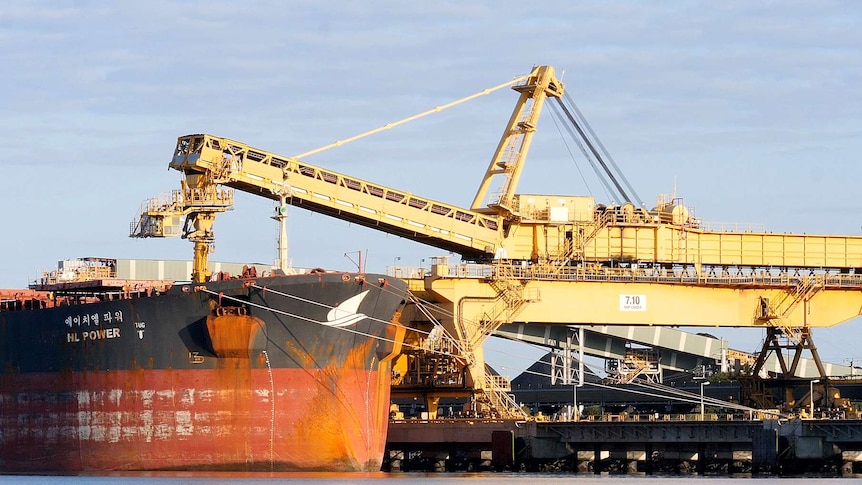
(537, 258)
(198, 202)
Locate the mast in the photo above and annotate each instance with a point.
(281, 217)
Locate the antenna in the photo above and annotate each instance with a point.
(357, 263)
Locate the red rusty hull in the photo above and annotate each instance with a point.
(194, 420)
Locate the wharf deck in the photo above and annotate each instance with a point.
(716, 444)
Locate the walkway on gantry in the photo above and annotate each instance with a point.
(680, 351)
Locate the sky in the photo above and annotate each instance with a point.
(750, 110)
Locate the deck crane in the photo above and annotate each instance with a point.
(535, 258)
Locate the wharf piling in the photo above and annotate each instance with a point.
(654, 445)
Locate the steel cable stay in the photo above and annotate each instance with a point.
(609, 191)
(670, 392)
(559, 122)
(660, 391)
(334, 390)
(586, 124)
(592, 149)
(706, 399)
(585, 134)
(311, 320)
(682, 396)
(642, 384)
(425, 307)
(439, 331)
(421, 304)
(436, 109)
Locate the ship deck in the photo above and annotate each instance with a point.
(104, 285)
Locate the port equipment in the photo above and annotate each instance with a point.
(538, 258)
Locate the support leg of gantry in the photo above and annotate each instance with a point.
(793, 339)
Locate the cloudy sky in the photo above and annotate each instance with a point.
(751, 109)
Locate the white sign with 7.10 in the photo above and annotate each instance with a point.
(632, 303)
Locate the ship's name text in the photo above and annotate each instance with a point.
(100, 334)
(93, 319)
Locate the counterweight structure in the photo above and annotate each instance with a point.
(538, 258)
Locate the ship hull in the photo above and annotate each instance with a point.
(236, 375)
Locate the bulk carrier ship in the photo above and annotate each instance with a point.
(249, 373)
(273, 373)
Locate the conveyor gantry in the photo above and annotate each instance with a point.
(558, 259)
(393, 211)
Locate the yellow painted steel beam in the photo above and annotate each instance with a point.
(679, 244)
(554, 230)
(431, 222)
(608, 302)
(601, 242)
(511, 153)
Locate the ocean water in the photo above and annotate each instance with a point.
(185, 478)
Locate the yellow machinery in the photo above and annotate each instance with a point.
(533, 258)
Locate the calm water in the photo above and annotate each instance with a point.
(181, 478)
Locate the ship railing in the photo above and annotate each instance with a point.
(458, 417)
(406, 272)
(500, 383)
(688, 275)
(732, 227)
(758, 277)
(623, 417)
(626, 417)
(83, 273)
